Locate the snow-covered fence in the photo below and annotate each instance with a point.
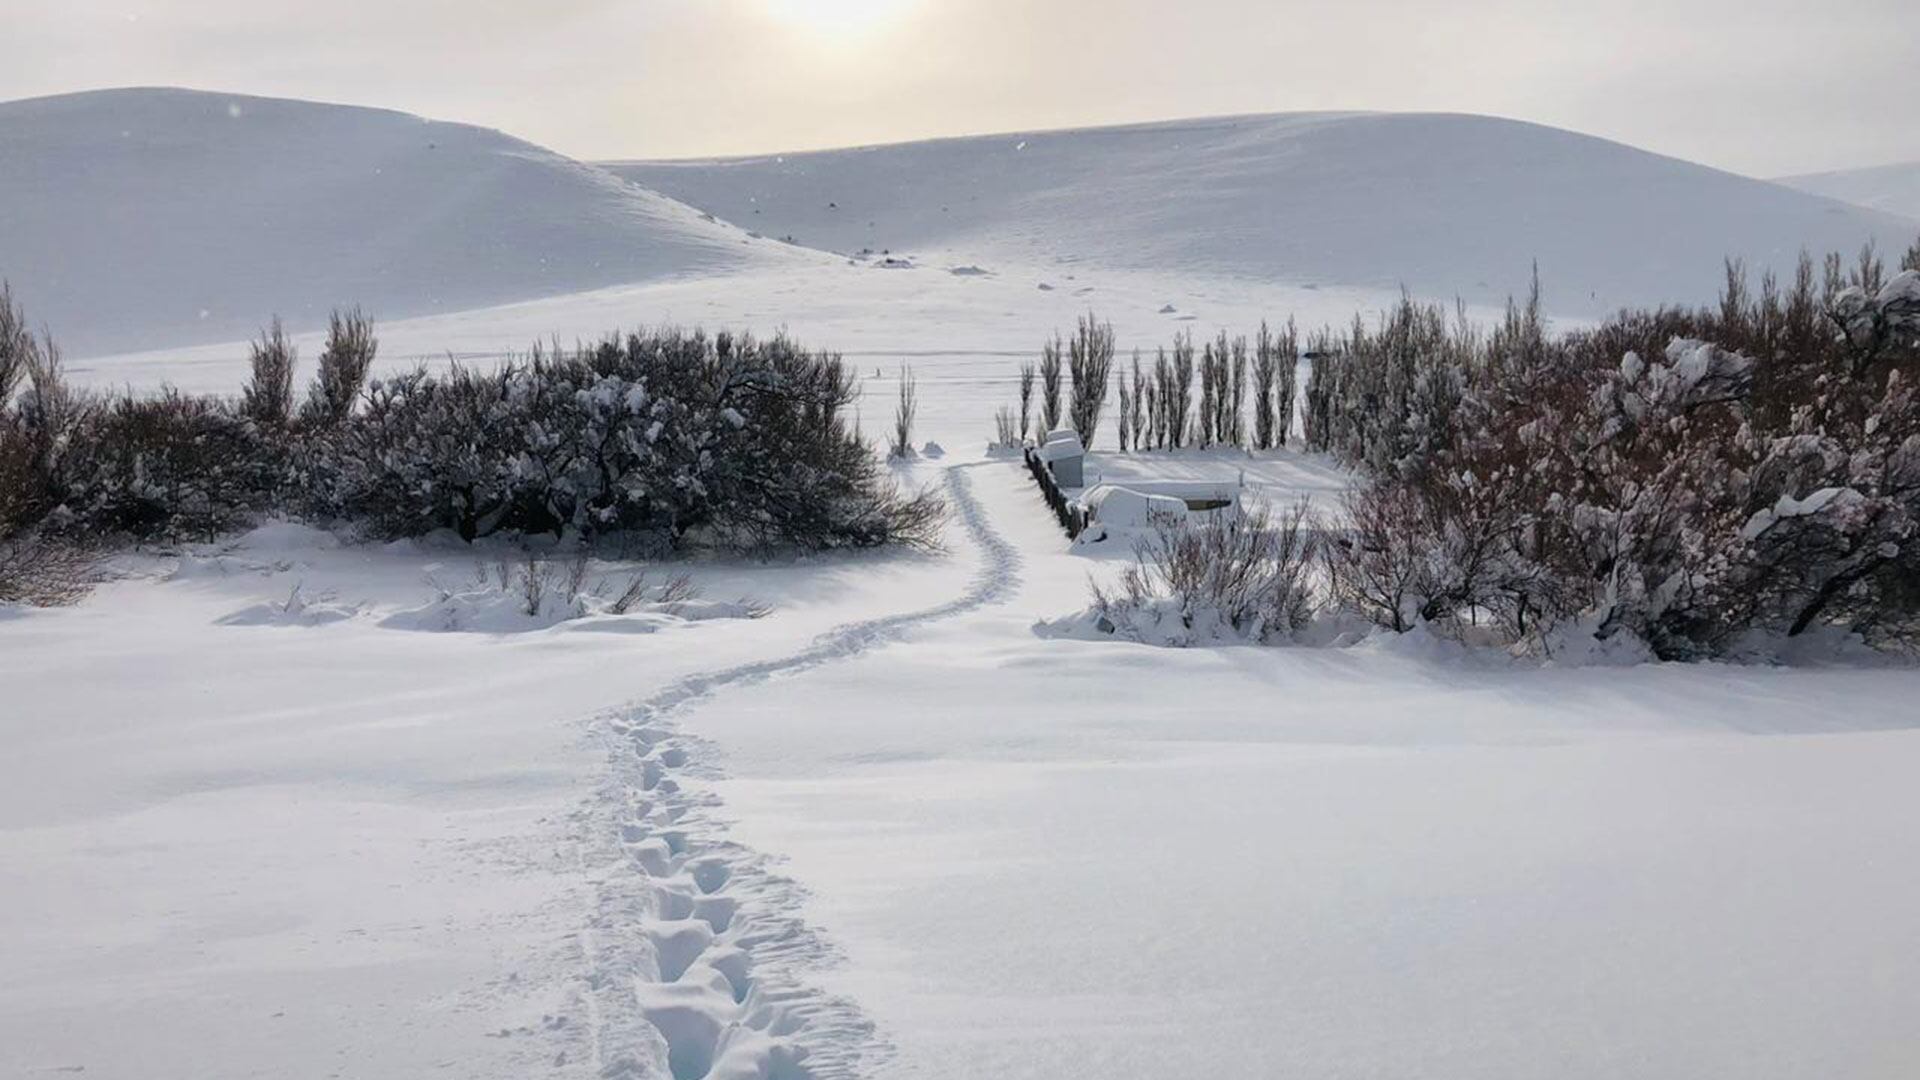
(1072, 517)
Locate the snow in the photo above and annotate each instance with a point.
(1894, 189)
(1381, 861)
(1124, 508)
(307, 850)
(146, 218)
(1061, 447)
(299, 806)
(1789, 507)
(384, 852)
(1449, 205)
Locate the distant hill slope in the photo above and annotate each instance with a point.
(1447, 204)
(143, 218)
(1892, 188)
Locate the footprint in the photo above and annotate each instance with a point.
(711, 875)
(677, 944)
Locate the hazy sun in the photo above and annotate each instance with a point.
(845, 16)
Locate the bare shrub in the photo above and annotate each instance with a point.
(1006, 430)
(1243, 570)
(268, 397)
(904, 410)
(17, 345)
(344, 365)
(40, 570)
(1377, 567)
(641, 588)
(530, 581)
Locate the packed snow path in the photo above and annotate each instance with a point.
(694, 948)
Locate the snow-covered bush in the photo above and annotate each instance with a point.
(37, 566)
(1689, 478)
(168, 467)
(731, 440)
(1243, 573)
(671, 437)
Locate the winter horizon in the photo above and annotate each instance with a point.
(599, 79)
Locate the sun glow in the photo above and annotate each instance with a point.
(838, 16)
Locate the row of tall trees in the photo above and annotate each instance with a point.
(1158, 408)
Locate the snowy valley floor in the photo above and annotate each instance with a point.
(349, 849)
(893, 826)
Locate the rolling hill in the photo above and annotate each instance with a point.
(1445, 204)
(143, 218)
(1892, 188)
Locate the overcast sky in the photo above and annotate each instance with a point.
(1757, 86)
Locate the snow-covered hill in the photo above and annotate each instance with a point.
(1892, 188)
(143, 218)
(1446, 204)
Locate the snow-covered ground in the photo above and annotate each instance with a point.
(1069, 859)
(962, 336)
(889, 830)
(348, 848)
(234, 846)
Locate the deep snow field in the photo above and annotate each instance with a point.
(290, 805)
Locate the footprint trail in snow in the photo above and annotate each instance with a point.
(694, 950)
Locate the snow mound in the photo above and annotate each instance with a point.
(1447, 204)
(286, 537)
(144, 218)
(487, 606)
(297, 609)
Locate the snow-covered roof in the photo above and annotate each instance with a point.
(1059, 449)
(1122, 507)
